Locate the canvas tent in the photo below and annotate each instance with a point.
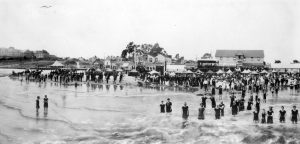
(220, 72)
(210, 72)
(57, 64)
(229, 72)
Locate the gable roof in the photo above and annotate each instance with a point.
(246, 53)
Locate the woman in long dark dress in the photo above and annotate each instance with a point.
(270, 116)
(263, 116)
(257, 105)
(249, 106)
(201, 112)
(185, 111)
(37, 103)
(213, 101)
(234, 108)
(217, 112)
(255, 116)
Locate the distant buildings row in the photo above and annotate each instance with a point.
(11, 52)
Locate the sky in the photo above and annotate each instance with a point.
(191, 28)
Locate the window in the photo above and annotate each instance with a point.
(150, 59)
(251, 58)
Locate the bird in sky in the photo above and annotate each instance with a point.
(45, 6)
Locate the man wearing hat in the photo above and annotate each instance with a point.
(168, 106)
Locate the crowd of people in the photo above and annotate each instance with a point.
(66, 76)
(238, 86)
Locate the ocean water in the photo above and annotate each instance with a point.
(116, 114)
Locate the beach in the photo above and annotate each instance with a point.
(128, 114)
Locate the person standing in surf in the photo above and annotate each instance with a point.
(201, 112)
(255, 116)
(46, 104)
(263, 116)
(270, 116)
(213, 101)
(37, 103)
(217, 112)
(220, 92)
(222, 107)
(185, 111)
(250, 103)
(204, 101)
(162, 107)
(295, 115)
(234, 108)
(257, 105)
(282, 113)
(265, 96)
(169, 106)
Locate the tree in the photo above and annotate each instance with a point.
(29, 54)
(295, 61)
(129, 50)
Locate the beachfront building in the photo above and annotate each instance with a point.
(175, 68)
(41, 54)
(10, 52)
(159, 58)
(238, 58)
(286, 67)
(190, 65)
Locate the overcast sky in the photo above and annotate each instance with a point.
(189, 27)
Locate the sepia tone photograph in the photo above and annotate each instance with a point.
(149, 71)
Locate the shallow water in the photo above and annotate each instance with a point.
(128, 114)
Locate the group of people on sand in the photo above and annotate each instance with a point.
(65, 76)
(45, 102)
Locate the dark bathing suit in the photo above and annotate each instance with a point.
(169, 107)
(37, 104)
(162, 108)
(46, 102)
(282, 114)
(185, 112)
(294, 116)
(201, 113)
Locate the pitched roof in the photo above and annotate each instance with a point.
(246, 53)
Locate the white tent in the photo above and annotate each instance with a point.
(57, 64)
(245, 72)
(264, 72)
(153, 72)
(199, 71)
(229, 72)
(220, 72)
(254, 72)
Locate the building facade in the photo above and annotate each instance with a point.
(236, 58)
(11, 52)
